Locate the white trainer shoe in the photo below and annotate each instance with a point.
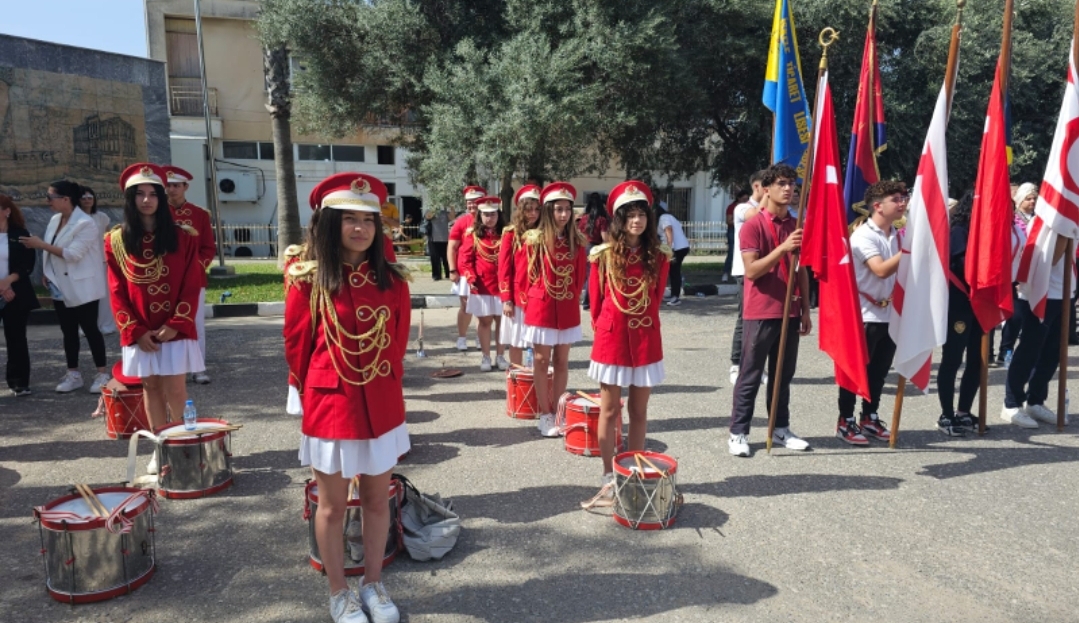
(70, 382)
(502, 364)
(201, 378)
(738, 445)
(151, 467)
(346, 608)
(786, 438)
(548, 425)
(99, 382)
(377, 603)
(485, 364)
(462, 344)
(1042, 414)
(1018, 417)
(734, 374)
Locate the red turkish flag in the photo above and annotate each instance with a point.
(989, 265)
(826, 249)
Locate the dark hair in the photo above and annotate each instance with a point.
(16, 218)
(756, 177)
(960, 214)
(742, 193)
(778, 171)
(649, 241)
(479, 228)
(881, 191)
(592, 211)
(325, 248)
(309, 237)
(87, 189)
(166, 240)
(69, 189)
(520, 221)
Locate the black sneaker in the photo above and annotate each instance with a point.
(21, 391)
(969, 421)
(950, 426)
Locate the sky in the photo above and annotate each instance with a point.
(110, 25)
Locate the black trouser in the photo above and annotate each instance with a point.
(675, 274)
(760, 347)
(964, 337)
(17, 370)
(1010, 332)
(881, 352)
(85, 316)
(730, 250)
(438, 259)
(736, 340)
(1071, 318)
(1036, 357)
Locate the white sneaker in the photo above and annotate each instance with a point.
(734, 374)
(786, 438)
(605, 497)
(70, 382)
(201, 378)
(738, 445)
(1040, 413)
(151, 467)
(346, 608)
(377, 603)
(99, 382)
(501, 362)
(548, 426)
(462, 344)
(485, 364)
(1018, 417)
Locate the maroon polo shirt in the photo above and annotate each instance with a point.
(763, 296)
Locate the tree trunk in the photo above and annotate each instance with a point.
(280, 106)
(507, 195)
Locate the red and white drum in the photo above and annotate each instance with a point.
(124, 411)
(353, 537)
(89, 558)
(578, 419)
(521, 400)
(645, 490)
(197, 464)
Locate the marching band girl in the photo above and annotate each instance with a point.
(347, 319)
(479, 267)
(513, 270)
(556, 263)
(626, 284)
(153, 268)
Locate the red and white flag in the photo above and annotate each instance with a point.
(920, 300)
(1057, 209)
(826, 249)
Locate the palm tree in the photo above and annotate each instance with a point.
(276, 67)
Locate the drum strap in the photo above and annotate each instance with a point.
(132, 452)
(560, 416)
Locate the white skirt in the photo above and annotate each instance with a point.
(624, 376)
(352, 457)
(175, 357)
(483, 305)
(461, 287)
(551, 337)
(512, 330)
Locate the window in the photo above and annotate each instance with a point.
(385, 154)
(391, 189)
(348, 153)
(314, 152)
(242, 150)
(297, 65)
(265, 151)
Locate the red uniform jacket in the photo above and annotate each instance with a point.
(625, 320)
(149, 293)
(479, 262)
(457, 232)
(513, 268)
(555, 279)
(198, 219)
(350, 389)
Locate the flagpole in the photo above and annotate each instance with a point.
(897, 410)
(1069, 258)
(792, 275)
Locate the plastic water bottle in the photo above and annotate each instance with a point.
(529, 358)
(190, 416)
(1007, 359)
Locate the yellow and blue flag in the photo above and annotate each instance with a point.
(785, 95)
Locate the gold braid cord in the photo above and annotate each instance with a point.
(343, 345)
(558, 280)
(635, 294)
(486, 252)
(137, 272)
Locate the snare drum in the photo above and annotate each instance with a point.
(645, 491)
(88, 558)
(521, 400)
(579, 420)
(124, 411)
(352, 540)
(195, 465)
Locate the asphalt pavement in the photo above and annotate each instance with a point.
(941, 529)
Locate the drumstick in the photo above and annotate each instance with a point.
(588, 398)
(97, 500)
(637, 458)
(652, 465)
(85, 492)
(519, 366)
(183, 432)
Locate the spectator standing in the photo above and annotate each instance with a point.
(460, 287)
(438, 236)
(88, 204)
(71, 262)
(671, 234)
(17, 298)
(742, 212)
(728, 264)
(594, 224)
(1026, 195)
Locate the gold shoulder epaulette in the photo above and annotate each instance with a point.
(402, 271)
(533, 236)
(665, 250)
(597, 251)
(294, 250)
(508, 228)
(468, 232)
(189, 229)
(116, 231)
(303, 271)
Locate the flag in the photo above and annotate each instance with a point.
(1057, 208)
(826, 249)
(988, 263)
(784, 93)
(919, 320)
(869, 135)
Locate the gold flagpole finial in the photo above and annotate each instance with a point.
(827, 37)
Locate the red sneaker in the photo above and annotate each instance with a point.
(873, 427)
(849, 432)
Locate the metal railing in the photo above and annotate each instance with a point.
(185, 97)
(260, 240)
(706, 237)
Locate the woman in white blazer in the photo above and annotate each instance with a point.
(71, 260)
(88, 204)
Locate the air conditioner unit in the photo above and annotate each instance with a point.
(236, 186)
